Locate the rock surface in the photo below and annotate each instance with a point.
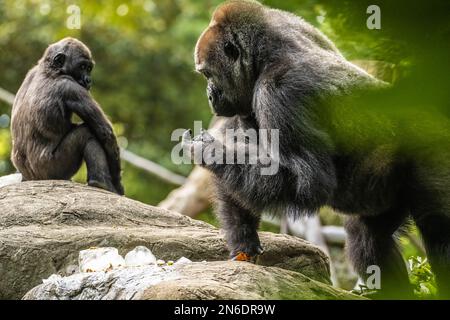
(197, 280)
(44, 225)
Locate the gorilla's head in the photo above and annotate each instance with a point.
(225, 55)
(69, 57)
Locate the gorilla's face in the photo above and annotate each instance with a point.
(81, 71)
(224, 61)
(71, 57)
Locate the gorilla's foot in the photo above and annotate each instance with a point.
(119, 187)
(242, 256)
(247, 255)
(102, 185)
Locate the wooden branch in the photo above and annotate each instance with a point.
(152, 167)
(331, 234)
(334, 234)
(6, 96)
(192, 197)
(312, 228)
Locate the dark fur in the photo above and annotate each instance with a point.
(46, 144)
(270, 69)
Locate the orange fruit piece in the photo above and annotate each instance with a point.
(242, 256)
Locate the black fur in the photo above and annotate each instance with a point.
(46, 144)
(288, 76)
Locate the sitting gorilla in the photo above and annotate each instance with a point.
(46, 144)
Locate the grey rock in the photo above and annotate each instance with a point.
(196, 280)
(44, 225)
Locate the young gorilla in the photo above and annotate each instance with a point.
(46, 144)
(268, 69)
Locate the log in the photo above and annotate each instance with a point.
(193, 196)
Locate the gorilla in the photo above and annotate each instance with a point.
(269, 69)
(45, 142)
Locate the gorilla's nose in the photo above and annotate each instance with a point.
(87, 82)
(213, 93)
(210, 93)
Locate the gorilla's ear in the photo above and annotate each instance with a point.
(231, 51)
(59, 59)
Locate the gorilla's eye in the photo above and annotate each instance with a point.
(85, 66)
(231, 51)
(207, 74)
(59, 59)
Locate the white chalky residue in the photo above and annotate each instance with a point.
(10, 179)
(182, 261)
(138, 271)
(140, 256)
(122, 283)
(99, 259)
(52, 278)
(160, 262)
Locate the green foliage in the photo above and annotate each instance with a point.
(145, 82)
(422, 278)
(144, 75)
(363, 290)
(5, 147)
(143, 79)
(410, 248)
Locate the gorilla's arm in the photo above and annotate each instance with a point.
(282, 101)
(81, 103)
(306, 172)
(305, 179)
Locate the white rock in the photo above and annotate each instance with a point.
(140, 256)
(52, 278)
(72, 269)
(10, 179)
(160, 262)
(182, 261)
(99, 259)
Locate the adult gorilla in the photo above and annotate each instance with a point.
(269, 69)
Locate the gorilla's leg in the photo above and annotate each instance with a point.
(371, 243)
(240, 227)
(98, 174)
(435, 231)
(80, 144)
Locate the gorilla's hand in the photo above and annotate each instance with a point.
(119, 187)
(200, 148)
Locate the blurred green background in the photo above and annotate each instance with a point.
(145, 80)
(144, 77)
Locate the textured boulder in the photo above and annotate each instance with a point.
(44, 225)
(197, 280)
